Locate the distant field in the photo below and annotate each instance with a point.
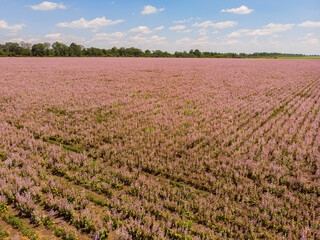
(299, 58)
(136, 148)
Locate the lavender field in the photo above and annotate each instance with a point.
(127, 148)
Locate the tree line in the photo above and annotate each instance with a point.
(57, 49)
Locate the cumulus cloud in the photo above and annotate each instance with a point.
(16, 40)
(11, 34)
(183, 41)
(151, 9)
(184, 20)
(107, 36)
(141, 30)
(203, 31)
(140, 40)
(158, 28)
(177, 27)
(25, 42)
(157, 38)
(312, 41)
(53, 37)
(239, 33)
(269, 29)
(33, 40)
(200, 42)
(309, 39)
(95, 23)
(46, 6)
(145, 29)
(6, 26)
(232, 42)
(220, 25)
(309, 24)
(240, 10)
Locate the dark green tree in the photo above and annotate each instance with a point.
(133, 52)
(197, 53)
(60, 49)
(38, 50)
(75, 50)
(147, 53)
(114, 52)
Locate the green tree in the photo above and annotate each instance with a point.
(147, 53)
(75, 50)
(13, 49)
(122, 52)
(114, 52)
(133, 52)
(38, 50)
(94, 52)
(157, 53)
(197, 53)
(191, 53)
(60, 49)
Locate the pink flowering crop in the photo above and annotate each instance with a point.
(138, 148)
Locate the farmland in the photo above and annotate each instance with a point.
(127, 148)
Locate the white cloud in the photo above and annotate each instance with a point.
(158, 28)
(33, 40)
(312, 41)
(310, 34)
(240, 10)
(53, 35)
(203, 38)
(203, 31)
(184, 20)
(191, 43)
(269, 29)
(16, 40)
(45, 6)
(107, 36)
(60, 37)
(144, 40)
(239, 33)
(16, 27)
(95, 23)
(309, 24)
(145, 29)
(232, 42)
(114, 35)
(157, 38)
(137, 38)
(209, 23)
(183, 41)
(309, 39)
(177, 28)
(24, 42)
(141, 29)
(151, 9)
(11, 34)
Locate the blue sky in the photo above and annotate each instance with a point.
(209, 25)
